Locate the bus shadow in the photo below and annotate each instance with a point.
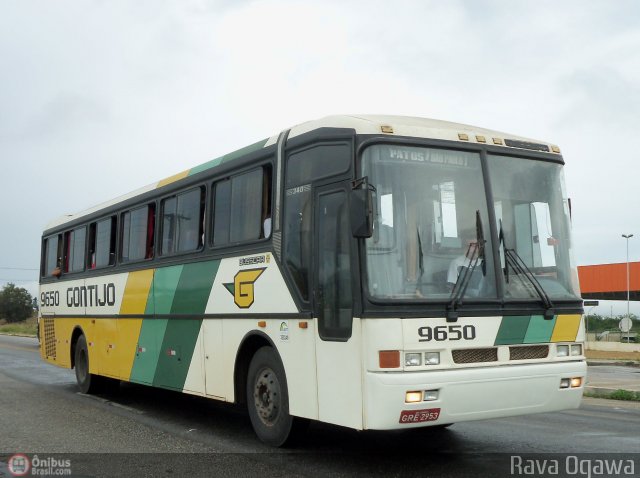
(215, 420)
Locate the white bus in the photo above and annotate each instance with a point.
(374, 272)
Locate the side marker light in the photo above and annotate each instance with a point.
(389, 358)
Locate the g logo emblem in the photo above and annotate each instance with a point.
(242, 287)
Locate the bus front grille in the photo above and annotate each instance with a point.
(475, 355)
(49, 338)
(528, 352)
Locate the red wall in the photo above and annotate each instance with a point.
(609, 277)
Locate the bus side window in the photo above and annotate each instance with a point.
(137, 239)
(182, 218)
(74, 248)
(52, 255)
(297, 236)
(303, 167)
(150, 236)
(102, 243)
(266, 203)
(239, 212)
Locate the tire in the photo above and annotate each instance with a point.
(268, 400)
(87, 382)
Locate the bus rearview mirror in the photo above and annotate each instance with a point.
(361, 209)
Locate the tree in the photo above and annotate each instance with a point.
(16, 304)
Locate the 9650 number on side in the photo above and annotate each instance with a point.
(441, 333)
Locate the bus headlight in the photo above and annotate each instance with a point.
(574, 382)
(413, 359)
(432, 358)
(413, 397)
(576, 349)
(562, 351)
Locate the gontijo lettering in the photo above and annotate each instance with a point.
(91, 295)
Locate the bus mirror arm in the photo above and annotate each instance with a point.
(361, 208)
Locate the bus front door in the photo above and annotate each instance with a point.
(338, 350)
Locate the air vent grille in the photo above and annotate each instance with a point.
(475, 355)
(49, 338)
(528, 352)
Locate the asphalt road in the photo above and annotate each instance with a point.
(614, 377)
(139, 431)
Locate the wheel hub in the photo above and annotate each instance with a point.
(267, 396)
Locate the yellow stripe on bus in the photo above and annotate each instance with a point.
(566, 329)
(63, 330)
(174, 178)
(129, 331)
(136, 292)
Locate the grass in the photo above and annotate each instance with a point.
(27, 327)
(626, 395)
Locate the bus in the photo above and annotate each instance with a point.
(372, 272)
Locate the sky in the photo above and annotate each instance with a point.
(98, 98)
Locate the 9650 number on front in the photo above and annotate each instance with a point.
(441, 333)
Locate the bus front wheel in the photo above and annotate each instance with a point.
(268, 400)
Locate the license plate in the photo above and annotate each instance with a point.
(418, 416)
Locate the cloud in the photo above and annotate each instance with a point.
(99, 98)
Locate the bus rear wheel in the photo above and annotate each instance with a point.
(87, 382)
(268, 400)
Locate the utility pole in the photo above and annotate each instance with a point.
(627, 237)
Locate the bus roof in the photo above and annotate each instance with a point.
(361, 124)
(404, 126)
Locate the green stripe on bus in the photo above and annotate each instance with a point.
(194, 287)
(149, 342)
(191, 296)
(165, 283)
(176, 353)
(203, 167)
(228, 157)
(150, 309)
(539, 330)
(513, 329)
(161, 294)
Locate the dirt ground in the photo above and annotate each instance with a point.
(600, 354)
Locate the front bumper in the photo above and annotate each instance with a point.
(471, 394)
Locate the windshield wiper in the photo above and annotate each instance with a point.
(462, 282)
(521, 268)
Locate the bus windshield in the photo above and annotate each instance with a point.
(532, 216)
(425, 209)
